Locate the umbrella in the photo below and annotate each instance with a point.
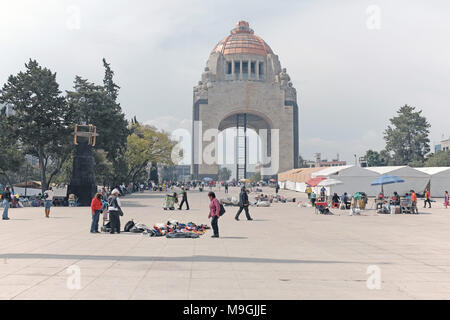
(386, 179)
(272, 180)
(244, 180)
(207, 179)
(315, 181)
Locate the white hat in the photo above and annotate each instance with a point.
(115, 191)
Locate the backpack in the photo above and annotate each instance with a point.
(222, 210)
(130, 224)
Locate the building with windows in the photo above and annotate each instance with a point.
(318, 162)
(444, 145)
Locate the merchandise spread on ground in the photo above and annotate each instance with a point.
(171, 229)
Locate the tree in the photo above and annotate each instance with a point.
(256, 177)
(377, 159)
(146, 145)
(439, 159)
(111, 88)
(407, 136)
(11, 155)
(94, 104)
(42, 122)
(224, 174)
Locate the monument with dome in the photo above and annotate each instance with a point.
(243, 86)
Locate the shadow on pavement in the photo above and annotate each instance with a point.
(174, 259)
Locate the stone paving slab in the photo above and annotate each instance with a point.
(287, 252)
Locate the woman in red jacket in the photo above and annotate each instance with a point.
(214, 213)
(96, 207)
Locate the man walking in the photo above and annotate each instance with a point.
(226, 187)
(184, 199)
(427, 199)
(6, 200)
(243, 205)
(414, 202)
(48, 200)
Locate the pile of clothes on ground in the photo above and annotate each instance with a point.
(171, 229)
(230, 201)
(263, 200)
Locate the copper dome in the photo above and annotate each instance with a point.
(242, 40)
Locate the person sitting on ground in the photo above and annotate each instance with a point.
(385, 208)
(323, 210)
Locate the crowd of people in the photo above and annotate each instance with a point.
(109, 203)
(406, 203)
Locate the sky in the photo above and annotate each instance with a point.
(353, 62)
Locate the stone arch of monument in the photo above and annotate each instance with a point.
(244, 86)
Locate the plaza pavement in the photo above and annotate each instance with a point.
(287, 252)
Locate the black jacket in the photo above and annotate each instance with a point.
(7, 196)
(243, 198)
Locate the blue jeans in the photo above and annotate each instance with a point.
(95, 218)
(48, 204)
(5, 210)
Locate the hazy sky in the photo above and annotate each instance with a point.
(353, 62)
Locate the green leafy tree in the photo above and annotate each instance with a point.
(377, 159)
(256, 177)
(110, 86)
(11, 155)
(42, 121)
(407, 136)
(94, 104)
(224, 174)
(146, 145)
(439, 159)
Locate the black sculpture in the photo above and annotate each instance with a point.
(82, 184)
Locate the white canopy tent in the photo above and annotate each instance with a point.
(414, 179)
(354, 179)
(439, 179)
